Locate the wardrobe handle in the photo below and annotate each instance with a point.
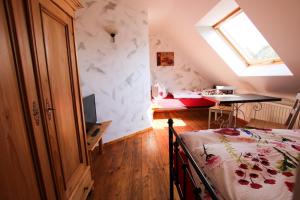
(49, 109)
(36, 113)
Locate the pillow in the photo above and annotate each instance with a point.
(158, 91)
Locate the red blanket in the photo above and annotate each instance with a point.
(170, 102)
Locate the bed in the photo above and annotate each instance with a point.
(181, 101)
(234, 163)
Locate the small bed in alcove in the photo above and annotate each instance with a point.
(181, 101)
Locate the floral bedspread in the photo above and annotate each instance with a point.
(247, 163)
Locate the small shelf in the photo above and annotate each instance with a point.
(93, 141)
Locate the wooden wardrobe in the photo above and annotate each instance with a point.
(43, 151)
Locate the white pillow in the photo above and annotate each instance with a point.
(158, 91)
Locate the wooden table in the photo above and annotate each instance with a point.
(236, 99)
(92, 142)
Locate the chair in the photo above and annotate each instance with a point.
(289, 124)
(221, 109)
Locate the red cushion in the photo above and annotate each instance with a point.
(201, 102)
(193, 102)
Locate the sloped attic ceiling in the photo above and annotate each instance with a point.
(277, 21)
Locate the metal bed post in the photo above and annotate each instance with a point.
(182, 191)
(176, 172)
(184, 168)
(170, 122)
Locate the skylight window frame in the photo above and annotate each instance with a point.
(231, 15)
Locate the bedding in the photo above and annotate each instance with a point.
(158, 91)
(171, 103)
(246, 163)
(186, 94)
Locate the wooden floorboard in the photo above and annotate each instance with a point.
(137, 167)
(135, 174)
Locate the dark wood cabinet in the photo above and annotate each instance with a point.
(42, 141)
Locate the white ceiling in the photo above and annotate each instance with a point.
(279, 23)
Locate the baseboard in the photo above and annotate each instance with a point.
(128, 136)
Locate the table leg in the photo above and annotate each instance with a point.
(90, 154)
(236, 114)
(236, 110)
(100, 146)
(209, 118)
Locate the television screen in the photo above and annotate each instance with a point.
(89, 107)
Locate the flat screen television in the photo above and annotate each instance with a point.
(89, 106)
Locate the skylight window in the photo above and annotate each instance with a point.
(246, 40)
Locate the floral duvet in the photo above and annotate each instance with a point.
(247, 163)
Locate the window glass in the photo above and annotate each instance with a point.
(242, 34)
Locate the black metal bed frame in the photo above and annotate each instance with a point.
(174, 170)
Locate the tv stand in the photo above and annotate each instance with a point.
(94, 141)
(95, 132)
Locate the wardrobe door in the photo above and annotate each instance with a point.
(18, 178)
(53, 32)
(33, 101)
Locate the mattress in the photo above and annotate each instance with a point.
(171, 103)
(247, 163)
(184, 94)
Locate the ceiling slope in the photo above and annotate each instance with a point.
(278, 22)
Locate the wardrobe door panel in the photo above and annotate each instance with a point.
(58, 65)
(17, 168)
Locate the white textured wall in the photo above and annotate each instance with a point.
(118, 73)
(183, 75)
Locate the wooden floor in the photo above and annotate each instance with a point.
(137, 167)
